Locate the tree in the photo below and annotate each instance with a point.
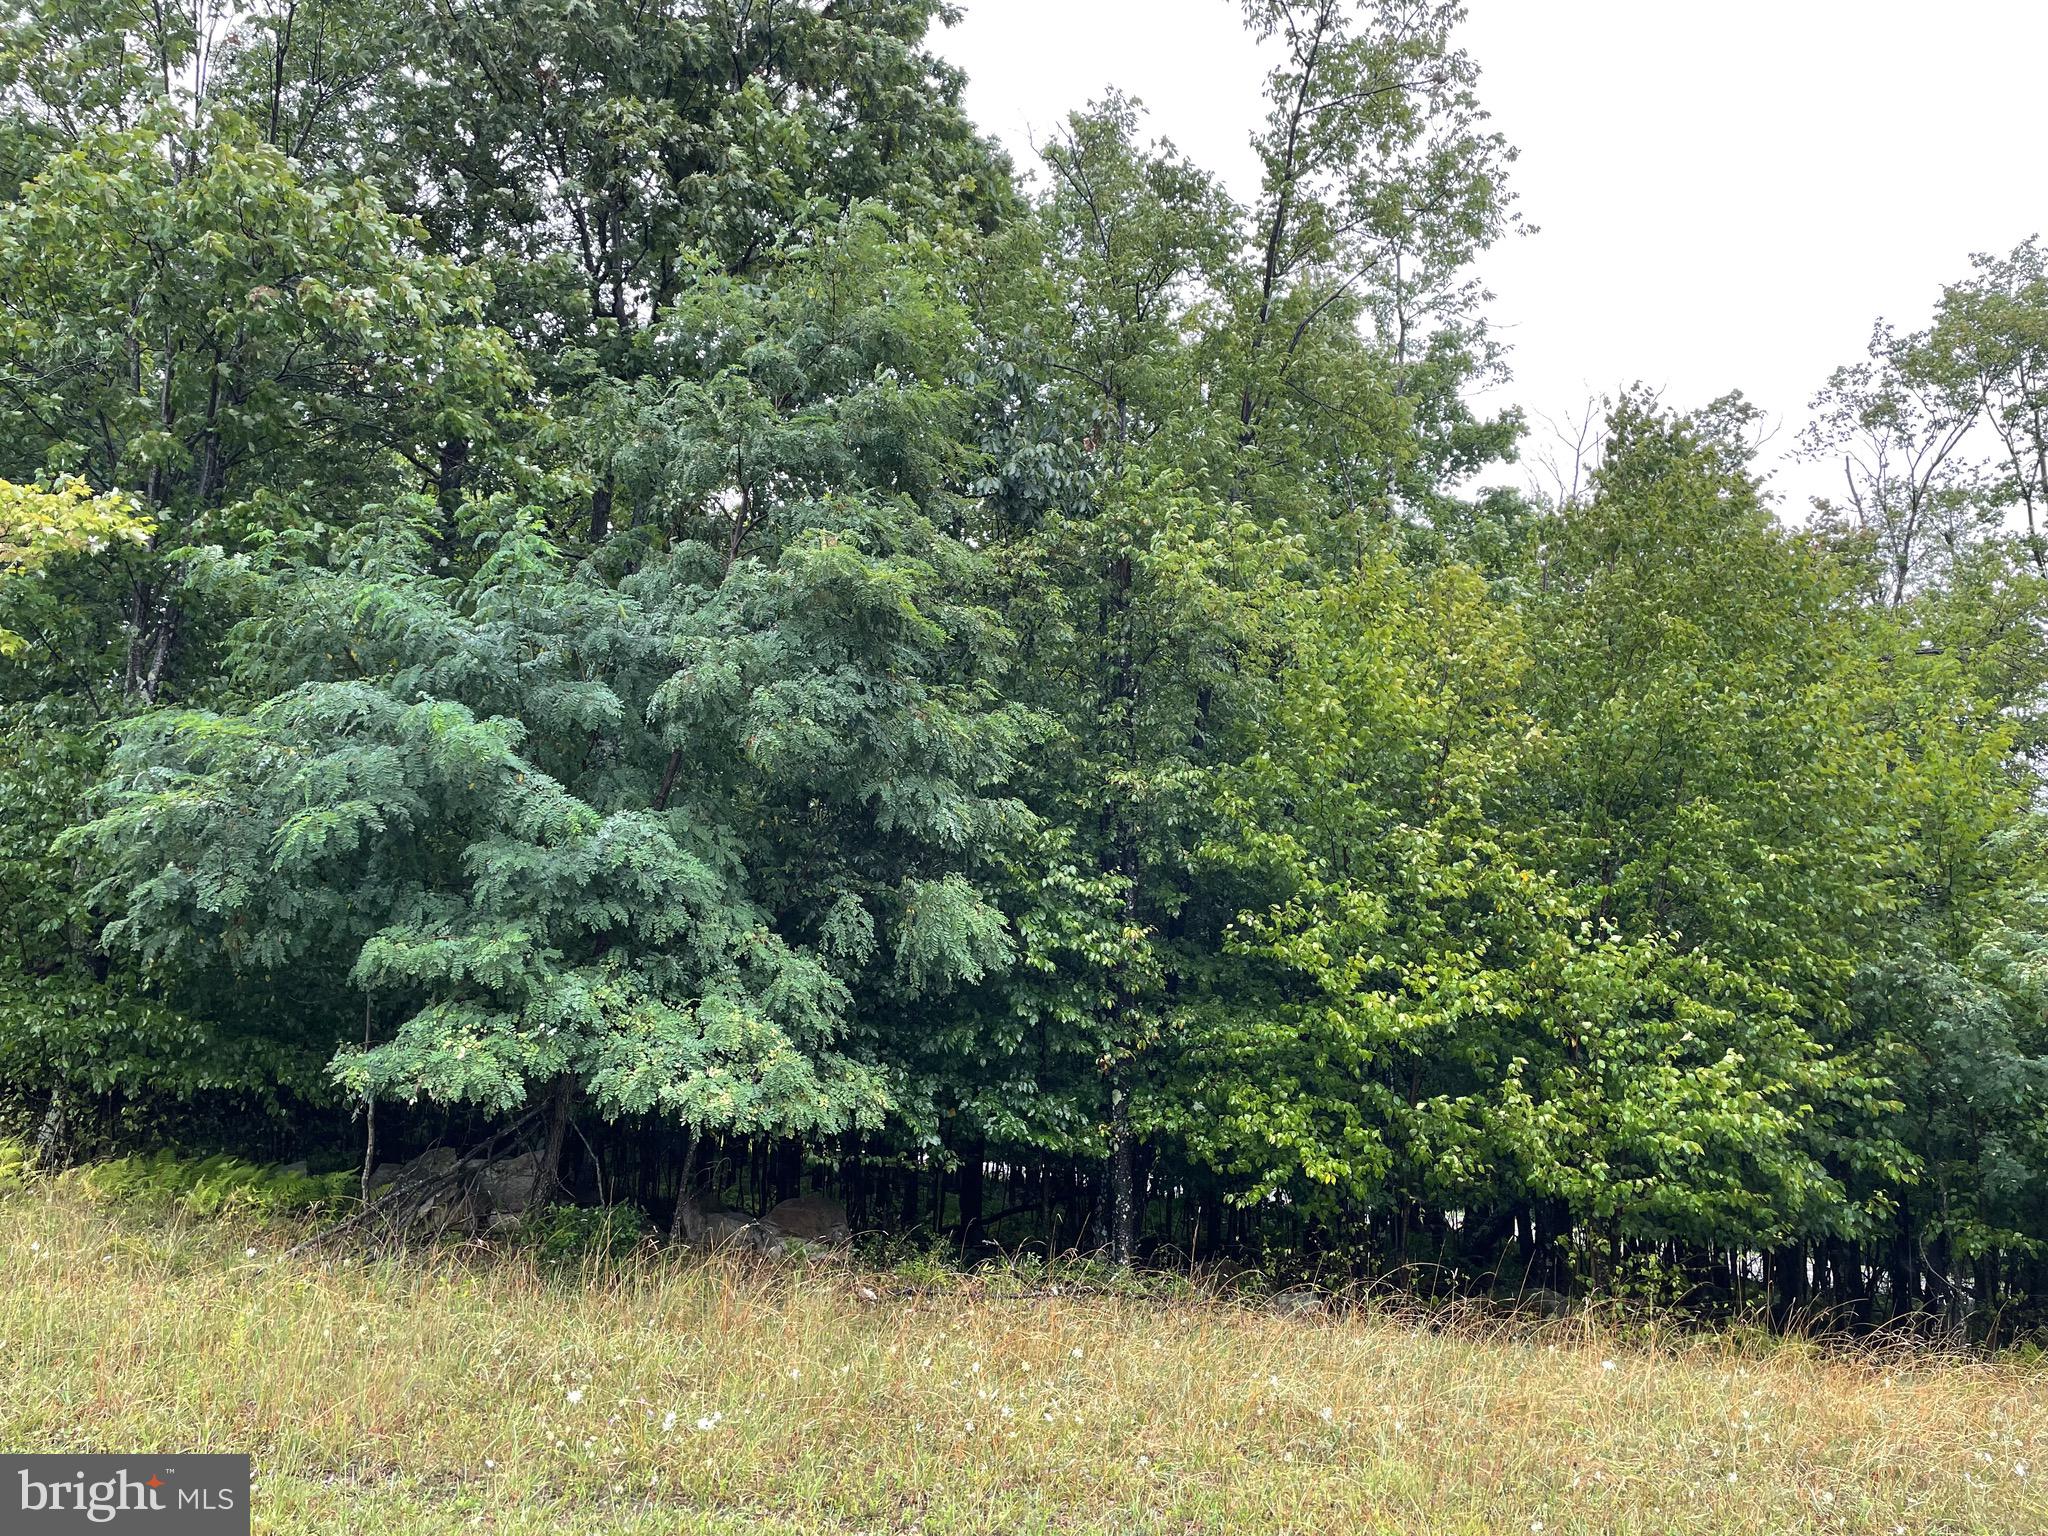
(39, 526)
(1900, 430)
(231, 347)
(1122, 573)
(596, 161)
(1716, 780)
(1989, 343)
(643, 830)
(1353, 333)
(547, 854)
(1509, 967)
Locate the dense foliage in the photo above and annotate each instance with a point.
(611, 573)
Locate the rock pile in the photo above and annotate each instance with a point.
(807, 1224)
(442, 1194)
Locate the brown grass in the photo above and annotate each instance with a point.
(439, 1393)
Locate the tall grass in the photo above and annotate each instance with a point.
(466, 1391)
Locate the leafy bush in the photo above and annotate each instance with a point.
(215, 1186)
(573, 1235)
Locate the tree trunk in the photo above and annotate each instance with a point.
(53, 1135)
(1123, 1193)
(449, 483)
(1787, 1282)
(973, 1158)
(547, 1178)
(1905, 1270)
(788, 1163)
(685, 1194)
(910, 1196)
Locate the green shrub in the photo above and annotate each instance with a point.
(13, 1165)
(569, 1235)
(216, 1186)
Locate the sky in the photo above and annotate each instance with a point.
(1727, 195)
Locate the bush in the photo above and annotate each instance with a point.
(215, 1186)
(571, 1235)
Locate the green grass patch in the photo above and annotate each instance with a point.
(622, 1389)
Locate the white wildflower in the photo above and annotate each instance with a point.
(575, 1396)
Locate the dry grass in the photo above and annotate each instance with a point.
(470, 1393)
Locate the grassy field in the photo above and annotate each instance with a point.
(468, 1392)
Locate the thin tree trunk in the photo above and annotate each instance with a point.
(369, 1115)
(1123, 1198)
(973, 1158)
(547, 1179)
(684, 1193)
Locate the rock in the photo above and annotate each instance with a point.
(506, 1187)
(810, 1219)
(434, 1163)
(812, 1224)
(1545, 1303)
(289, 1170)
(719, 1229)
(429, 1200)
(1301, 1301)
(446, 1211)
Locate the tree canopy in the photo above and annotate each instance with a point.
(618, 569)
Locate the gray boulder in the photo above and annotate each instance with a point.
(810, 1224)
(810, 1219)
(506, 1187)
(1300, 1301)
(719, 1229)
(427, 1198)
(432, 1164)
(1543, 1302)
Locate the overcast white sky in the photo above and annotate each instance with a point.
(1729, 192)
